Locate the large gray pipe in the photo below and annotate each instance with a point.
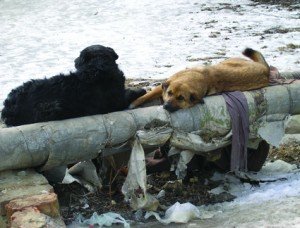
(64, 142)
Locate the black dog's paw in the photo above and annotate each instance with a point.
(133, 94)
(140, 92)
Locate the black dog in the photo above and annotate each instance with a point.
(96, 87)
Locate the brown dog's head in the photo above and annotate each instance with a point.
(180, 95)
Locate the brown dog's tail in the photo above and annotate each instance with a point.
(256, 56)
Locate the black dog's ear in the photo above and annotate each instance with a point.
(165, 85)
(78, 62)
(113, 54)
(84, 57)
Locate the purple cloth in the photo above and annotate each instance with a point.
(237, 107)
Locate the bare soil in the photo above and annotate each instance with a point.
(75, 199)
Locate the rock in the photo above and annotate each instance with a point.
(33, 218)
(18, 184)
(45, 203)
(292, 125)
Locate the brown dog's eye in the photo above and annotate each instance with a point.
(170, 93)
(180, 98)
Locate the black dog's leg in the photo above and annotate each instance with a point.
(133, 94)
(48, 111)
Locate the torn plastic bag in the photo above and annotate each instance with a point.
(106, 219)
(185, 157)
(135, 185)
(178, 213)
(85, 174)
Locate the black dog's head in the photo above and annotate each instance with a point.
(96, 60)
(95, 53)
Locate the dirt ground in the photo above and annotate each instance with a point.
(75, 199)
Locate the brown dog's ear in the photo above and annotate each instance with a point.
(165, 85)
(192, 98)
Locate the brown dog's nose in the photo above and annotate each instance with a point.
(168, 106)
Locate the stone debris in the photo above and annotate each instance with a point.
(18, 184)
(27, 200)
(33, 218)
(45, 203)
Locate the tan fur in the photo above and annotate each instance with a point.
(187, 87)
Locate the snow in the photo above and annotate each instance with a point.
(280, 179)
(271, 204)
(153, 38)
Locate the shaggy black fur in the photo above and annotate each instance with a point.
(96, 87)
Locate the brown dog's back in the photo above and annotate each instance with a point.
(187, 87)
(240, 74)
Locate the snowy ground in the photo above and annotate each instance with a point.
(271, 204)
(154, 39)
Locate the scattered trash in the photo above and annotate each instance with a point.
(85, 206)
(178, 213)
(173, 185)
(86, 171)
(85, 174)
(161, 194)
(68, 179)
(113, 202)
(278, 166)
(217, 190)
(194, 180)
(135, 185)
(106, 219)
(185, 157)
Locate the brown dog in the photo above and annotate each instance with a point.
(187, 87)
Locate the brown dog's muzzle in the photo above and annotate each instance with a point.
(169, 107)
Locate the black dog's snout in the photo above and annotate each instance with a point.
(168, 106)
